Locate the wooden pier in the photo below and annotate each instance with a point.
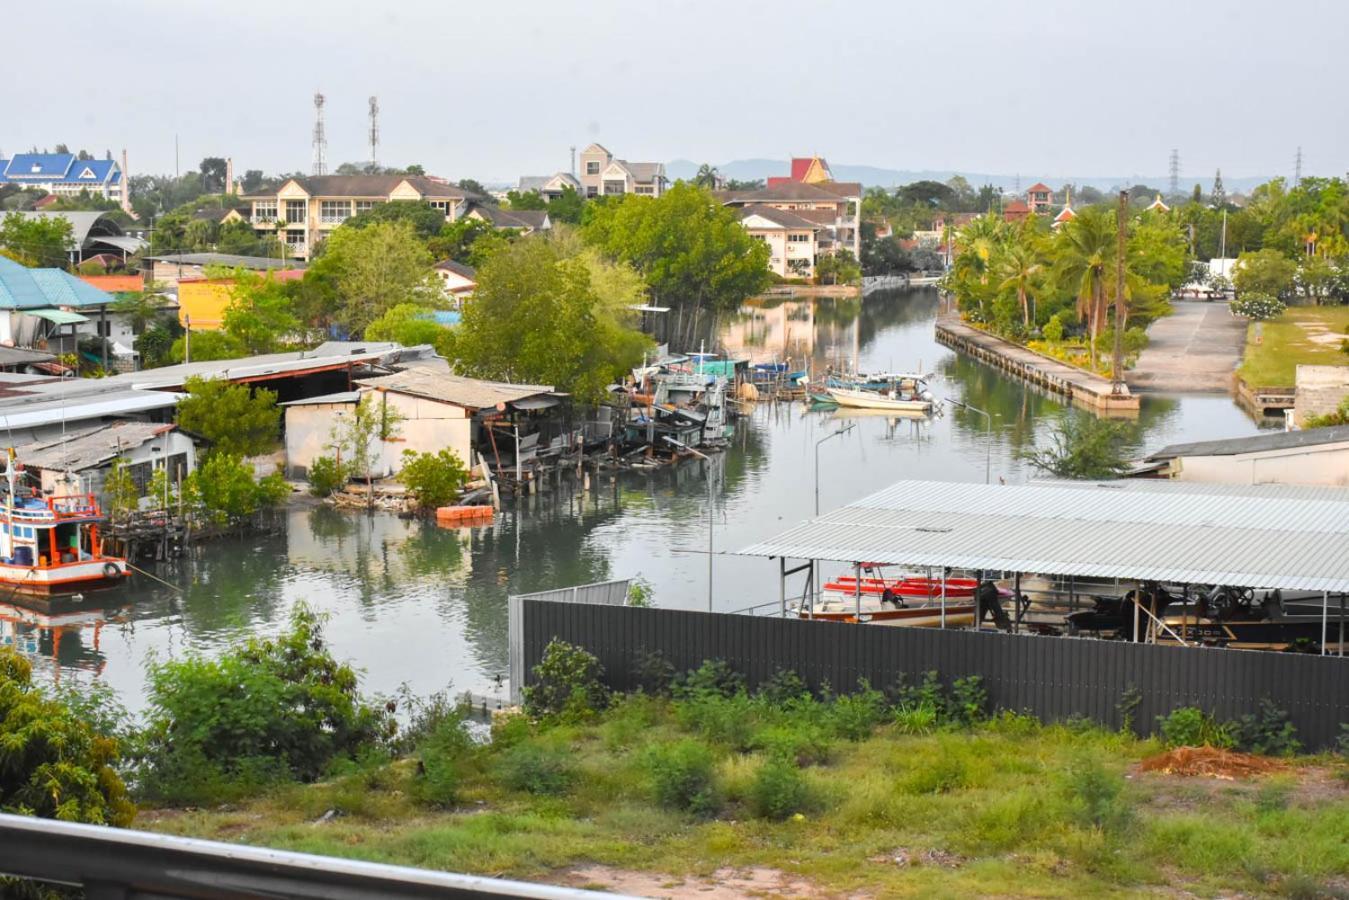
(1077, 385)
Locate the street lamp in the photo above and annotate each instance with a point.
(988, 451)
(844, 430)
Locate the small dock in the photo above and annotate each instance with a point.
(1078, 385)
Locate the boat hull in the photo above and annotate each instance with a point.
(66, 578)
(869, 400)
(916, 616)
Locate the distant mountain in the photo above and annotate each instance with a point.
(875, 176)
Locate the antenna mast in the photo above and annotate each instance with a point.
(374, 133)
(320, 141)
(1297, 168)
(1175, 172)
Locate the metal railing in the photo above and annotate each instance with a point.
(121, 863)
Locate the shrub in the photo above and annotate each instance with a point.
(682, 776)
(654, 672)
(640, 593)
(1268, 732)
(271, 708)
(224, 490)
(804, 743)
(855, 716)
(535, 768)
(1053, 330)
(566, 683)
(784, 686)
(969, 701)
(778, 790)
(326, 475)
(53, 762)
(917, 719)
(432, 479)
(235, 418)
(714, 676)
(1189, 726)
(1096, 796)
(1258, 306)
(725, 720)
(441, 758)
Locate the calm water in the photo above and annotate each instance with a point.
(411, 603)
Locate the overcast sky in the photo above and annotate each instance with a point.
(494, 89)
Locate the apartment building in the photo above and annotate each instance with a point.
(604, 175)
(791, 238)
(832, 208)
(302, 211)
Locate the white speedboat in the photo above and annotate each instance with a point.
(895, 401)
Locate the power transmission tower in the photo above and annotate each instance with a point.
(1297, 168)
(1175, 172)
(374, 133)
(320, 141)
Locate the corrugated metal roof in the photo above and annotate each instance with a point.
(1278, 440)
(470, 393)
(36, 410)
(1270, 536)
(89, 448)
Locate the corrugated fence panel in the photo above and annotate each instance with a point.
(1051, 678)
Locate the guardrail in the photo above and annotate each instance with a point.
(125, 864)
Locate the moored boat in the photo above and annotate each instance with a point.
(51, 545)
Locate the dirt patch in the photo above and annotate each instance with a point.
(723, 884)
(1210, 762)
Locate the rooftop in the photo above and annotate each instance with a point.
(1260, 536)
(227, 260)
(785, 218)
(22, 288)
(368, 186)
(794, 190)
(470, 393)
(1277, 440)
(89, 447)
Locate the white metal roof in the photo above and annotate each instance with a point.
(1269, 536)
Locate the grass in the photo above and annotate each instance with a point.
(1007, 807)
(1286, 342)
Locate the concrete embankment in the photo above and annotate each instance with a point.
(1196, 348)
(1081, 387)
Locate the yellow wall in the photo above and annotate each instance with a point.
(204, 302)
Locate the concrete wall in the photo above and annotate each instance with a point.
(1325, 464)
(203, 303)
(1320, 390)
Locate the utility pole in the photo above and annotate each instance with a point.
(1117, 367)
(1297, 168)
(1175, 172)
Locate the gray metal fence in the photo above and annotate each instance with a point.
(600, 593)
(1053, 678)
(124, 864)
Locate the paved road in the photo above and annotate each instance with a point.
(1194, 349)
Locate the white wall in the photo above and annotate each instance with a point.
(1327, 464)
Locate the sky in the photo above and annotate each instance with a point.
(494, 89)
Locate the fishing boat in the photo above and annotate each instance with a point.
(865, 399)
(51, 545)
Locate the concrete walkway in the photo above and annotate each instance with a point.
(1195, 349)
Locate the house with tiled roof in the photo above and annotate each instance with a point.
(1015, 210)
(303, 211)
(549, 187)
(790, 236)
(804, 170)
(526, 221)
(832, 206)
(1040, 197)
(63, 174)
(605, 175)
(456, 279)
(49, 310)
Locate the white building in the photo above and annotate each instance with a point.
(605, 175)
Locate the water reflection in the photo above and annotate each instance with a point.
(410, 602)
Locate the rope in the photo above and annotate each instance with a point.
(154, 577)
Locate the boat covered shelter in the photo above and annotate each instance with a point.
(1293, 538)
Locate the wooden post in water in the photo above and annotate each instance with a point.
(1117, 366)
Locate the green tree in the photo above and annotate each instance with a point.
(213, 170)
(119, 489)
(410, 324)
(235, 418)
(204, 346)
(1086, 248)
(1082, 446)
(1264, 272)
(142, 308)
(53, 762)
(691, 250)
(536, 317)
(424, 218)
(433, 479)
(525, 200)
(473, 186)
(707, 177)
(1021, 268)
(42, 241)
(225, 490)
(359, 438)
(375, 268)
(259, 314)
(568, 207)
(837, 268)
(455, 239)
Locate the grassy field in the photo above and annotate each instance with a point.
(1007, 807)
(1271, 360)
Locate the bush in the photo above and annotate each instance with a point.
(224, 490)
(725, 720)
(53, 762)
(917, 719)
(566, 683)
(779, 789)
(272, 708)
(1096, 796)
(1053, 330)
(326, 475)
(1189, 726)
(654, 672)
(785, 686)
(854, 716)
(441, 757)
(804, 743)
(535, 768)
(235, 418)
(969, 701)
(714, 676)
(682, 776)
(1268, 732)
(432, 479)
(1258, 306)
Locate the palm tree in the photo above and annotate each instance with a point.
(707, 176)
(1086, 254)
(1020, 267)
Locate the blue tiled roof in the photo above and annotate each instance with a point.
(62, 167)
(25, 288)
(46, 166)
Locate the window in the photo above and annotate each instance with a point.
(105, 329)
(644, 189)
(366, 205)
(264, 211)
(140, 475)
(176, 465)
(592, 167)
(333, 210)
(295, 238)
(615, 187)
(295, 212)
(798, 238)
(592, 191)
(441, 205)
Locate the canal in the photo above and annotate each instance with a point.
(413, 604)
